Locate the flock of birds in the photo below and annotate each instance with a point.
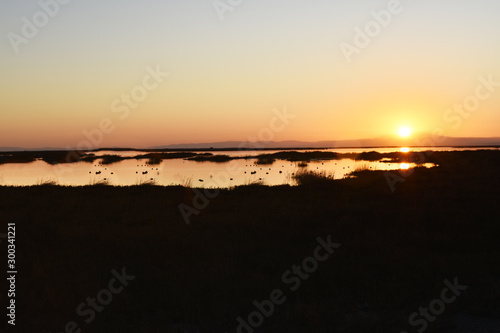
(151, 170)
(252, 172)
(146, 172)
(267, 171)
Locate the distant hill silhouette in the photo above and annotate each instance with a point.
(416, 140)
(30, 149)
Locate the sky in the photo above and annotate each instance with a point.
(158, 72)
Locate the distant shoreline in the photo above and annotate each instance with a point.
(43, 150)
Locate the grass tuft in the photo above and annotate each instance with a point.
(100, 182)
(147, 183)
(306, 177)
(46, 182)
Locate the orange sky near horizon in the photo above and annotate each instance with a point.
(434, 66)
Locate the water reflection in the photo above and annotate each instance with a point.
(405, 166)
(180, 172)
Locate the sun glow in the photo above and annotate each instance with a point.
(404, 131)
(405, 166)
(405, 149)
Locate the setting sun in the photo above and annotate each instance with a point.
(404, 131)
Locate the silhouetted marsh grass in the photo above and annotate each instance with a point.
(370, 156)
(265, 160)
(149, 182)
(295, 156)
(20, 157)
(50, 157)
(397, 247)
(187, 182)
(165, 155)
(362, 167)
(154, 160)
(110, 159)
(306, 177)
(100, 182)
(207, 157)
(254, 183)
(155, 157)
(46, 182)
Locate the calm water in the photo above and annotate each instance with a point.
(179, 171)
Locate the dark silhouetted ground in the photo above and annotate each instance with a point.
(396, 250)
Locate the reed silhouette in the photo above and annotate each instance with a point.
(397, 247)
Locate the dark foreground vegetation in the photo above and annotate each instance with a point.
(396, 250)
